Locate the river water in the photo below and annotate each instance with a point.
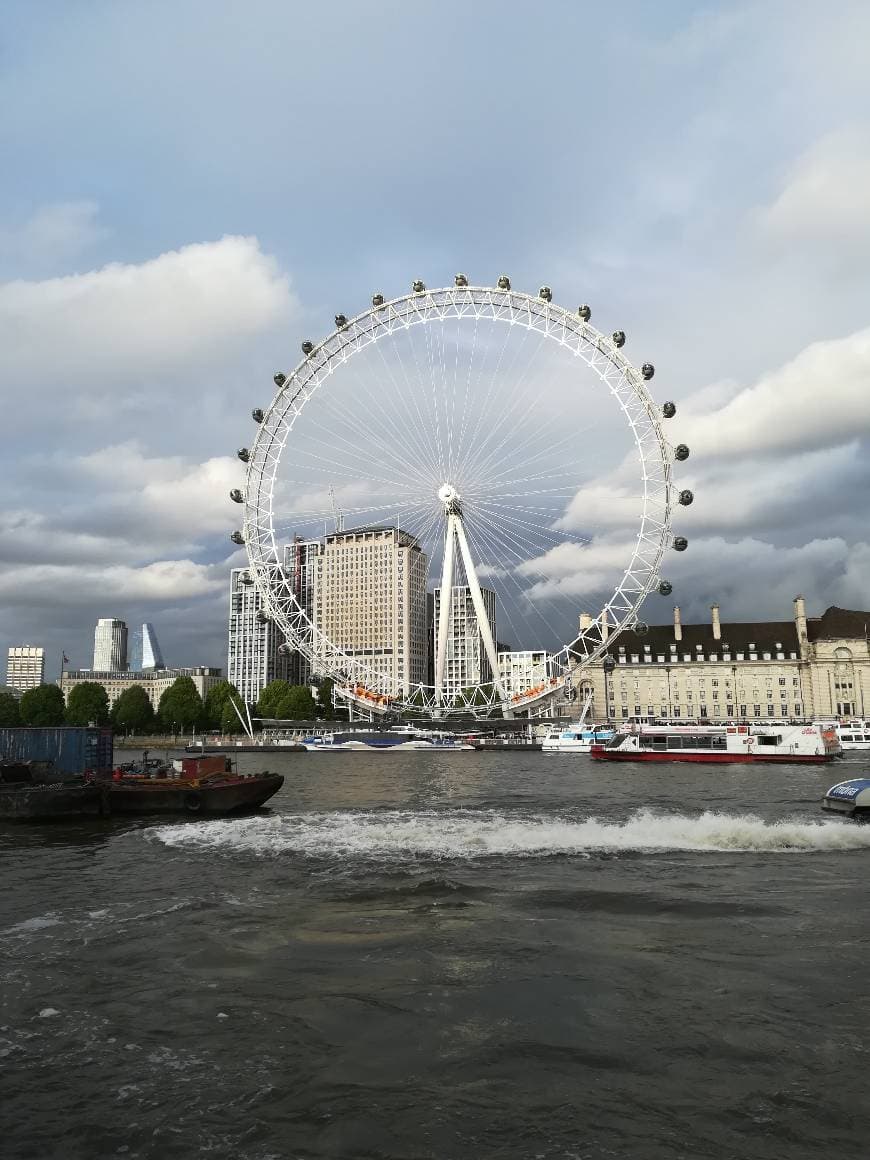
(461, 956)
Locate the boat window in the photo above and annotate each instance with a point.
(659, 744)
(719, 741)
(769, 739)
(616, 740)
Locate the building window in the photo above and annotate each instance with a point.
(637, 710)
(664, 711)
(676, 710)
(782, 680)
(756, 710)
(703, 710)
(715, 683)
(742, 710)
(770, 709)
(797, 709)
(729, 710)
(625, 712)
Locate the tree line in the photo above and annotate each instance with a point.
(181, 707)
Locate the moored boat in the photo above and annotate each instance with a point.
(401, 739)
(31, 794)
(204, 785)
(723, 744)
(577, 738)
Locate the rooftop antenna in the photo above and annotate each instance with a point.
(337, 513)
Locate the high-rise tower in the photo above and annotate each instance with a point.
(110, 646)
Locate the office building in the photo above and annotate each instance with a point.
(466, 663)
(25, 667)
(300, 569)
(145, 651)
(523, 669)
(253, 656)
(806, 667)
(155, 682)
(370, 602)
(110, 646)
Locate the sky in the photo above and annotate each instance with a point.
(192, 187)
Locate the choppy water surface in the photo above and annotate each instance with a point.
(453, 956)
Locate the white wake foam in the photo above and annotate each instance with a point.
(462, 834)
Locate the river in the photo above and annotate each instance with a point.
(445, 957)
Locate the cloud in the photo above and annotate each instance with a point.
(825, 204)
(54, 234)
(164, 581)
(818, 399)
(136, 322)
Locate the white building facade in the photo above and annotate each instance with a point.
(110, 646)
(523, 669)
(466, 663)
(155, 682)
(370, 602)
(253, 656)
(25, 667)
(803, 668)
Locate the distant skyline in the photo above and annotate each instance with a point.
(181, 206)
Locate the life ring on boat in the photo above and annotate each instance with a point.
(193, 802)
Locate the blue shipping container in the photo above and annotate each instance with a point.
(70, 749)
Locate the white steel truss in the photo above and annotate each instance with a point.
(570, 330)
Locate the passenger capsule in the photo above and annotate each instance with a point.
(618, 337)
(546, 293)
(460, 280)
(279, 379)
(377, 299)
(307, 347)
(257, 415)
(236, 496)
(681, 452)
(647, 370)
(641, 628)
(686, 497)
(680, 543)
(243, 454)
(263, 617)
(237, 538)
(669, 410)
(504, 283)
(340, 321)
(246, 578)
(585, 312)
(665, 588)
(419, 287)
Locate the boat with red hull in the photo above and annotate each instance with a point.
(721, 745)
(191, 785)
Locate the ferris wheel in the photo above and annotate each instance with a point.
(510, 454)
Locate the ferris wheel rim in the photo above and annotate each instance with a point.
(385, 317)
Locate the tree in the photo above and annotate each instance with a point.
(324, 707)
(9, 714)
(269, 698)
(297, 704)
(133, 710)
(229, 722)
(42, 706)
(216, 699)
(88, 704)
(180, 706)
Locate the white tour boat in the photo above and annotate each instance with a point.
(853, 734)
(721, 744)
(398, 739)
(576, 738)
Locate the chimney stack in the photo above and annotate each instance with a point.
(605, 625)
(800, 619)
(585, 621)
(678, 624)
(717, 627)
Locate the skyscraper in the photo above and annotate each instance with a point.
(466, 663)
(370, 601)
(25, 667)
(253, 659)
(145, 654)
(300, 568)
(110, 646)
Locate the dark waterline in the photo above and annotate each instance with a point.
(452, 956)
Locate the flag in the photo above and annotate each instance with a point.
(65, 658)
